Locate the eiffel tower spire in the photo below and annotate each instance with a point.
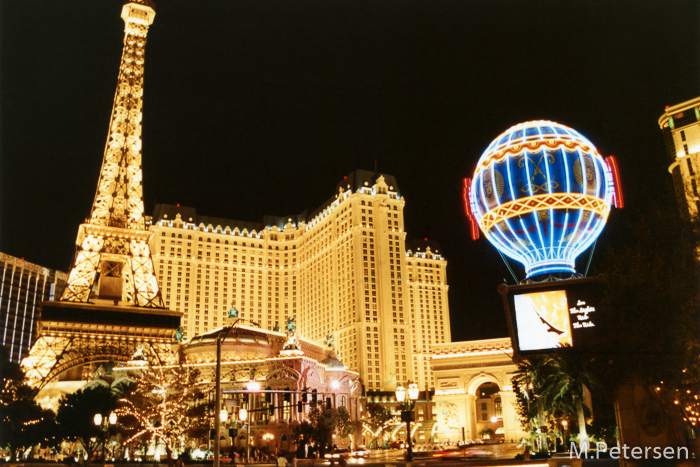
(113, 260)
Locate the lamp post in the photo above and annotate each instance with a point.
(223, 334)
(407, 413)
(243, 416)
(564, 423)
(98, 420)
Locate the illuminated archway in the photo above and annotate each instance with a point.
(477, 380)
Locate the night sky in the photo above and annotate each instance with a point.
(257, 107)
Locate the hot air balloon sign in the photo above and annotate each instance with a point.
(541, 193)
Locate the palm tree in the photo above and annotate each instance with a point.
(530, 377)
(564, 387)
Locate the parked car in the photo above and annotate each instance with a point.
(361, 451)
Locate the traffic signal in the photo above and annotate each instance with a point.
(300, 408)
(272, 410)
(287, 395)
(304, 395)
(314, 397)
(268, 395)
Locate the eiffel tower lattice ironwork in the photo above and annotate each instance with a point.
(112, 304)
(113, 259)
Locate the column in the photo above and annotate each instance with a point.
(471, 417)
(511, 427)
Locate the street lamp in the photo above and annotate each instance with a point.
(253, 386)
(243, 416)
(267, 437)
(98, 420)
(564, 424)
(407, 413)
(220, 337)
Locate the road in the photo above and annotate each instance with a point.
(390, 456)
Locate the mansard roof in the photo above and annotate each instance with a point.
(354, 181)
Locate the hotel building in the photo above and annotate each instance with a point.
(345, 270)
(23, 286)
(680, 124)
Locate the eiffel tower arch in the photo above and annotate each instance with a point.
(112, 303)
(74, 341)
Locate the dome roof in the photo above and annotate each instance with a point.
(332, 363)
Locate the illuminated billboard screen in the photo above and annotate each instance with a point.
(542, 320)
(546, 316)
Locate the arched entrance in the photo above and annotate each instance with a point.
(488, 411)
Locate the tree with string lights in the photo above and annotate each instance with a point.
(166, 405)
(23, 423)
(377, 420)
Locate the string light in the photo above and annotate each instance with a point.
(164, 397)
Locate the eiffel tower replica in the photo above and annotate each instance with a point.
(111, 305)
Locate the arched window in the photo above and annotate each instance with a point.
(342, 401)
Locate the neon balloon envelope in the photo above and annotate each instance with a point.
(541, 193)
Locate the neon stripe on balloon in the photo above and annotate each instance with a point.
(551, 210)
(536, 251)
(536, 203)
(511, 186)
(568, 190)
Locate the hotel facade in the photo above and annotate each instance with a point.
(680, 125)
(23, 285)
(346, 270)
